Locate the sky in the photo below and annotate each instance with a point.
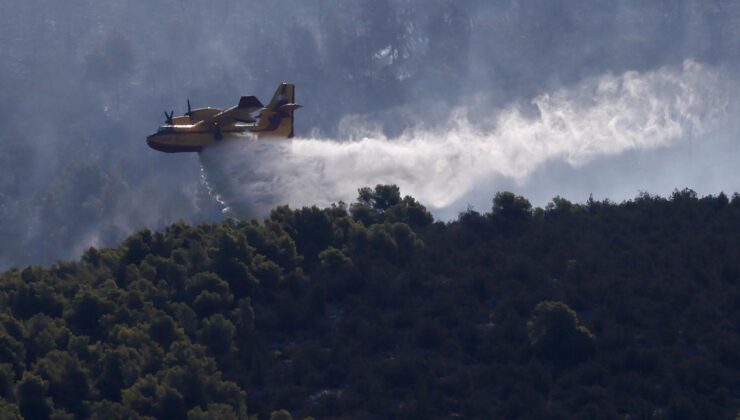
(451, 100)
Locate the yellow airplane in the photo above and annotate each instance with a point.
(203, 127)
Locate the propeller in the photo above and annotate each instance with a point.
(190, 111)
(168, 117)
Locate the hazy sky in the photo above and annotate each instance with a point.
(451, 100)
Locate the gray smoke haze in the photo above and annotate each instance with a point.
(450, 100)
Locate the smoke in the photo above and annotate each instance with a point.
(433, 95)
(599, 118)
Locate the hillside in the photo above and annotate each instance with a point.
(374, 310)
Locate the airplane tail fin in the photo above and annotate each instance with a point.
(285, 93)
(278, 114)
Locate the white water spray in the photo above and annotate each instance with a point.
(598, 118)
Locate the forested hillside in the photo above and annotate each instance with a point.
(374, 310)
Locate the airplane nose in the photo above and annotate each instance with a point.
(154, 144)
(151, 141)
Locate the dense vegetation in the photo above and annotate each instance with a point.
(595, 310)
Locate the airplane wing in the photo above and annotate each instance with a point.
(250, 103)
(237, 114)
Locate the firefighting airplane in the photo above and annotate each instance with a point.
(204, 127)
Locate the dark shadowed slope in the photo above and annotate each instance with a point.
(376, 311)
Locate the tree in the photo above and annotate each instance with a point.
(208, 293)
(281, 415)
(372, 203)
(67, 381)
(384, 203)
(244, 316)
(213, 411)
(9, 411)
(411, 212)
(555, 334)
(118, 369)
(7, 379)
(44, 335)
(163, 329)
(12, 352)
(510, 210)
(36, 298)
(559, 205)
(31, 394)
(137, 247)
(87, 309)
(230, 259)
(267, 272)
(107, 410)
(150, 397)
(217, 334)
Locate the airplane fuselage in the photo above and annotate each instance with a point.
(205, 127)
(191, 137)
